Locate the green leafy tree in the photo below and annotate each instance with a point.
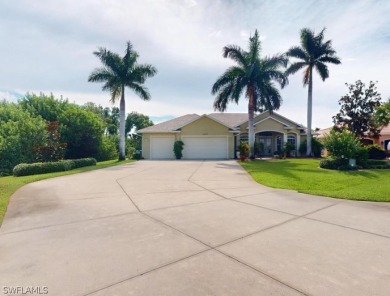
(52, 149)
(253, 75)
(381, 116)
(82, 131)
(118, 73)
(48, 107)
(314, 53)
(136, 121)
(110, 116)
(357, 109)
(20, 132)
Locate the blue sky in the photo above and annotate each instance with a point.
(47, 47)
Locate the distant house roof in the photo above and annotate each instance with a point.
(385, 130)
(322, 132)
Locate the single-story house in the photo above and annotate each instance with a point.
(382, 140)
(218, 135)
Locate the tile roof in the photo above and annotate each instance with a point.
(170, 125)
(322, 132)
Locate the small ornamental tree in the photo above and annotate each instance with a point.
(357, 109)
(52, 150)
(341, 145)
(244, 150)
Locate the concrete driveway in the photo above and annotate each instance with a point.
(189, 228)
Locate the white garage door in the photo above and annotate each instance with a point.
(201, 147)
(162, 147)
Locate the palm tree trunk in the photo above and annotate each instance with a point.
(251, 134)
(309, 112)
(122, 136)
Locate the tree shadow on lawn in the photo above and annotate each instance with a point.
(289, 169)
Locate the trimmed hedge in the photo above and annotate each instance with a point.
(343, 165)
(376, 152)
(83, 162)
(26, 169)
(334, 164)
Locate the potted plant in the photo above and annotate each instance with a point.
(178, 149)
(244, 150)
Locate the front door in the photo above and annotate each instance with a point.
(265, 146)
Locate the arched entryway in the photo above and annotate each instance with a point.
(267, 143)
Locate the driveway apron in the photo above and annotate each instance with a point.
(189, 228)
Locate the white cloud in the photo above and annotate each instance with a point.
(49, 47)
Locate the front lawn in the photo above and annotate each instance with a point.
(8, 185)
(305, 175)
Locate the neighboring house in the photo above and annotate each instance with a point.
(217, 135)
(383, 140)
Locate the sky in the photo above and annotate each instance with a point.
(47, 47)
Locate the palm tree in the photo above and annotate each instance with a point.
(118, 73)
(256, 77)
(313, 53)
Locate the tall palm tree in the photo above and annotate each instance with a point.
(314, 52)
(255, 76)
(118, 73)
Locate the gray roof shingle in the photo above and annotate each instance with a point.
(230, 119)
(170, 125)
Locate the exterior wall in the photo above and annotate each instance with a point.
(270, 125)
(208, 127)
(146, 142)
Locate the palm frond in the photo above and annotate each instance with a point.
(235, 53)
(227, 77)
(322, 70)
(223, 97)
(308, 41)
(295, 67)
(330, 59)
(140, 90)
(116, 92)
(254, 46)
(100, 75)
(297, 52)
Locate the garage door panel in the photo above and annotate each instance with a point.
(162, 148)
(205, 147)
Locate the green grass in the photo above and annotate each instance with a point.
(9, 184)
(305, 175)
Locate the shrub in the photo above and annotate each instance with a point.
(316, 147)
(130, 152)
(25, 169)
(333, 164)
(361, 156)
(107, 149)
(244, 150)
(288, 147)
(178, 149)
(137, 155)
(83, 162)
(341, 144)
(376, 152)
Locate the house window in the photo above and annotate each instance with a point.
(292, 139)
